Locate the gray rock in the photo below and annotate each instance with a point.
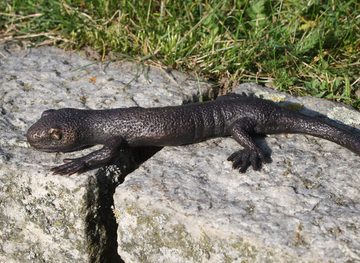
(49, 218)
(187, 204)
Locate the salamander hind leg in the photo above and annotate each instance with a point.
(242, 159)
(251, 154)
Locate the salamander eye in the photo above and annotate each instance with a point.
(55, 134)
(47, 112)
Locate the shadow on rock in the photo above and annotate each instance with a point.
(101, 220)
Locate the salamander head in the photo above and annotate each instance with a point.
(57, 131)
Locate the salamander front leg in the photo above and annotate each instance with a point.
(93, 160)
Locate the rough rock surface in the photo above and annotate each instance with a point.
(187, 204)
(49, 218)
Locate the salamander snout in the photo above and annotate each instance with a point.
(43, 139)
(55, 131)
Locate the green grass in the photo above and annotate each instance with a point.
(302, 47)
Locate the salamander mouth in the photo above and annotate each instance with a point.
(48, 150)
(56, 149)
(43, 148)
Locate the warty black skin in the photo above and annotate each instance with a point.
(238, 116)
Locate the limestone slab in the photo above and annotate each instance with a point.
(187, 204)
(50, 218)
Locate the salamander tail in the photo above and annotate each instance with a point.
(294, 122)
